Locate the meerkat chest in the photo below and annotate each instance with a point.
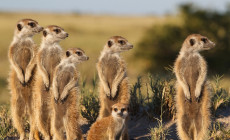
(118, 130)
(64, 77)
(51, 57)
(23, 54)
(192, 69)
(110, 68)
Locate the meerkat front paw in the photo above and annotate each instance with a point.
(64, 95)
(107, 92)
(47, 85)
(63, 99)
(197, 92)
(21, 78)
(187, 95)
(55, 100)
(27, 76)
(114, 91)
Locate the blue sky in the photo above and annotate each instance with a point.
(118, 7)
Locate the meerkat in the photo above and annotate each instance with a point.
(112, 127)
(114, 85)
(66, 96)
(193, 92)
(48, 57)
(22, 54)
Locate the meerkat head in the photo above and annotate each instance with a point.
(53, 34)
(117, 44)
(197, 43)
(76, 55)
(120, 110)
(27, 28)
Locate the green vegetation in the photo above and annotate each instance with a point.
(157, 41)
(151, 95)
(163, 42)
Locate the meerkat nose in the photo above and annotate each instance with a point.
(87, 58)
(67, 35)
(42, 28)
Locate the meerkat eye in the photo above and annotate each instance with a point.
(115, 109)
(67, 53)
(110, 43)
(123, 109)
(57, 31)
(44, 33)
(79, 53)
(32, 24)
(19, 26)
(192, 42)
(122, 42)
(204, 40)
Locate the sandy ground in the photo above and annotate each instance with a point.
(139, 128)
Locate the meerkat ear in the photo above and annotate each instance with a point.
(110, 43)
(67, 53)
(19, 26)
(192, 42)
(44, 33)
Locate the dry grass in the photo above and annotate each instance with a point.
(89, 32)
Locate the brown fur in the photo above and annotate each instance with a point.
(114, 84)
(193, 114)
(66, 96)
(49, 56)
(22, 54)
(109, 128)
(112, 73)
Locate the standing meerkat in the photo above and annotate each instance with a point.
(114, 85)
(21, 55)
(66, 96)
(193, 92)
(48, 57)
(112, 127)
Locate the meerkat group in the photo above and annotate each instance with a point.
(44, 86)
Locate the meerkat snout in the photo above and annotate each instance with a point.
(196, 43)
(76, 55)
(27, 27)
(117, 44)
(54, 33)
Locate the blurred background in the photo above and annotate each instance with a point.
(156, 28)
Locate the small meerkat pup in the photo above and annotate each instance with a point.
(66, 96)
(49, 56)
(112, 127)
(114, 85)
(193, 92)
(22, 53)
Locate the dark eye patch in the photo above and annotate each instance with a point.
(44, 33)
(79, 53)
(32, 24)
(67, 53)
(122, 42)
(123, 109)
(204, 40)
(192, 42)
(115, 109)
(57, 31)
(19, 26)
(110, 43)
